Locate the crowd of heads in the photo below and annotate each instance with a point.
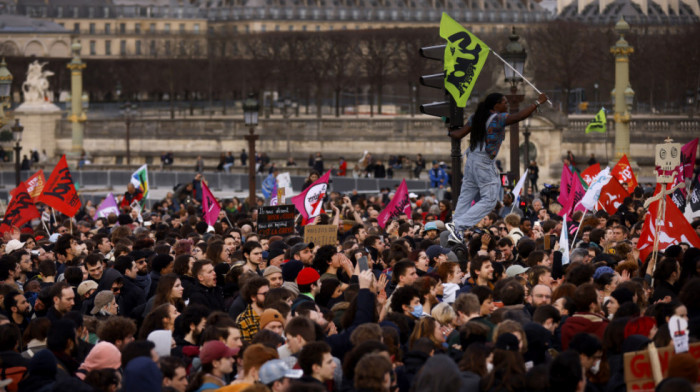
(160, 301)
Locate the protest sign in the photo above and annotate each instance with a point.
(276, 220)
(638, 366)
(321, 234)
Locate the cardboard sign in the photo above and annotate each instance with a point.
(276, 220)
(321, 234)
(667, 159)
(638, 372)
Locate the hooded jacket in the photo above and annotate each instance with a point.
(131, 296)
(141, 374)
(582, 322)
(104, 355)
(41, 373)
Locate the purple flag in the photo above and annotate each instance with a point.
(106, 207)
(399, 204)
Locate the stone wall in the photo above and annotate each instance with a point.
(551, 134)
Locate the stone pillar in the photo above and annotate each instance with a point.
(77, 116)
(39, 121)
(621, 51)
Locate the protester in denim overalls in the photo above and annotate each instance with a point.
(487, 128)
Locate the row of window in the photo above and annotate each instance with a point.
(154, 49)
(92, 28)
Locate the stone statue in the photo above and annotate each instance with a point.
(36, 87)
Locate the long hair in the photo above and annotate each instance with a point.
(164, 290)
(483, 112)
(214, 250)
(154, 320)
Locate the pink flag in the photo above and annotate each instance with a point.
(210, 207)
(309, 203)
(399, 204)
(688, 153)
(106, 207)
(575, 196)
(565, 186)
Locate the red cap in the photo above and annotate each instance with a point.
(215, 349)
(307, 276)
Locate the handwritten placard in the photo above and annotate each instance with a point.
(321, 234)
(276, 220)
(638, 370)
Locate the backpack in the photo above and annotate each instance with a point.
(15, 373)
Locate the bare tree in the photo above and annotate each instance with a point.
(377, 50)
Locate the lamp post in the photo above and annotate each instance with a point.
(515, 55)
(5, 90)
(77, 116)
(251, 107)
(17, 137)
(623, 94)
(128, 113)
(595, 94)
(527, 142)
(286, 107)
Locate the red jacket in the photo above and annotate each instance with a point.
(582, 322)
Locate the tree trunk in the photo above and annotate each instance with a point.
(337, 102)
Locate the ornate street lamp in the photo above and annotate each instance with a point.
(17, 137)
(128, 116)
(5, 90)
(515, 55)
(251, 108)
(629, 98)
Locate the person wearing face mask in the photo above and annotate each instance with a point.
(590, 351)
(406, 302)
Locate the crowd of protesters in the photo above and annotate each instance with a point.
(160, 301)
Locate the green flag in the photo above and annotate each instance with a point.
(465, 56)
(598, 124)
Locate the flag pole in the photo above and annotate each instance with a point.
(45, 227)
(521, 75)
(228, 220)
(578, 228)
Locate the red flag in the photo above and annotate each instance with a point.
(611, 196)
(590, 172)
(60, 192)
(310, 201)
(399, 204)
(567, 179)
(35, 184)
(623, 172)
(688, 153)
(210, 207)
(673, 229)
(20, 211)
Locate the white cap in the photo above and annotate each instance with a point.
(13, 245)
